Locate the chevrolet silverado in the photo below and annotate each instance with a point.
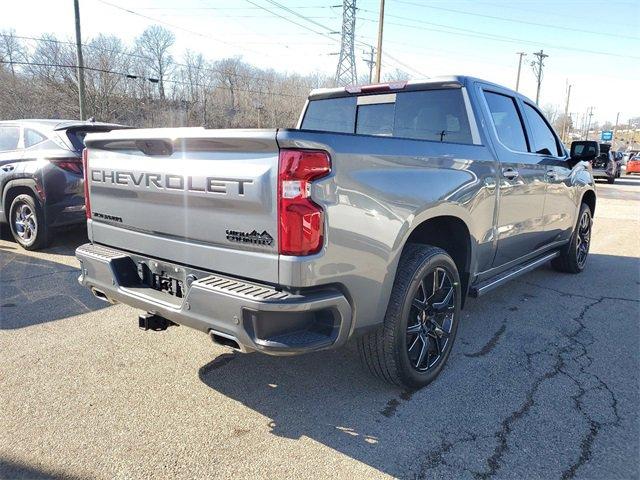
(374, 219)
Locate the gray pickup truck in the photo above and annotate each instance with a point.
(375, 219)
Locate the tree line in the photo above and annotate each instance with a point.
(144, 84)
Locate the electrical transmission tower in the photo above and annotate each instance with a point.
(346, 72)
(538, 65)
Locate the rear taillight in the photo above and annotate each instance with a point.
(72, 165)
(87, 201)
(301, 221)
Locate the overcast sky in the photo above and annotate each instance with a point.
(594, 45)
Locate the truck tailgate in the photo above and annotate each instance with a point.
(188, 195)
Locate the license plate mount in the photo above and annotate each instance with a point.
(163, 277)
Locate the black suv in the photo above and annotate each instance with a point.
(41, 181)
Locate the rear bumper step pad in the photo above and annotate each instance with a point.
(258, 316)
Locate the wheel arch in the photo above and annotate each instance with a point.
(589, 197)
(14, 188)
(452, 234)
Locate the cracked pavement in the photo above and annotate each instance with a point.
(543, 382)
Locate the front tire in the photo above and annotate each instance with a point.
(413, 344)
(27, 223)
(573, 257)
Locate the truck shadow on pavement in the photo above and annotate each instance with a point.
(34, 289)
(527, 357)
(19, 471)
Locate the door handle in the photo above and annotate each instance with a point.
(490, 183)
(510, 173)
(551, 175)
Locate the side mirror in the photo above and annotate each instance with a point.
(584, 150)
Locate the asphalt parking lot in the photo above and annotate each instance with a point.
(543, 382)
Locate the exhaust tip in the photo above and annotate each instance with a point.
(225, 340)
(100, 295)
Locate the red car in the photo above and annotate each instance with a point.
(633, 165)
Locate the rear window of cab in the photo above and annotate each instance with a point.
(436, 115)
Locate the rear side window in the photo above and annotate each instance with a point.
(9, 138)
(31, 138)
(543, 139)
(331, 115)
(507, 121)
(437, 115)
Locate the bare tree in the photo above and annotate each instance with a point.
(11, 50)
(225, 93)
(105, 90)
(551, 112)
(155, 43)
(396, 76)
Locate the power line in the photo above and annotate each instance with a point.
(228, 8)
(498, 38)
(324, 27)
(140, 77)
(296, 23)
(87, 45)
(192, 32)
(513, 20)
(130, 54)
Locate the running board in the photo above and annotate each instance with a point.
(499, 280)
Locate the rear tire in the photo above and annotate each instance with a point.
(573, 257)
(413, 344)
(27, 223)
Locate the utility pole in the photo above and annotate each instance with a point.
(346, 71)
(370, 62)
(379, 51)
(589, 115)
(520, 54)
(615, 127)
(566, 111)
(76, 8)
(538, 65)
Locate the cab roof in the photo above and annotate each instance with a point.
(448, 81)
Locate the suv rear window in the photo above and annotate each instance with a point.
(437, 115)
(9, 137)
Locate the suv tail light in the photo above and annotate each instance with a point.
(87, 201)
(300, 220)
(72, 165)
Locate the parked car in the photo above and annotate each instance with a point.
(633, 165)
(604, 165)
(376, 218)
(618, 157)
(41, 176)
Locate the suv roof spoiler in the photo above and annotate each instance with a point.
(89, 126)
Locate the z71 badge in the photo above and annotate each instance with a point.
(254, 237)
